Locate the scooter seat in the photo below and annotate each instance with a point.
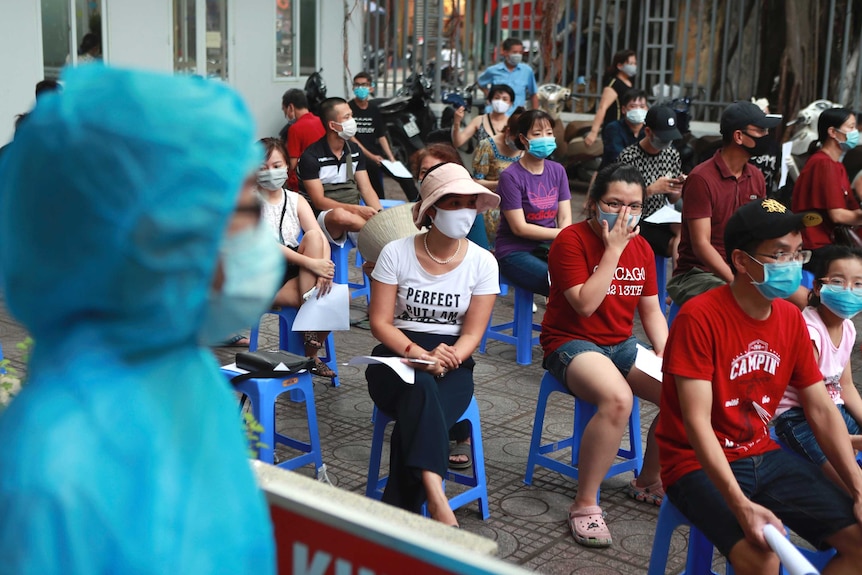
(393, 105)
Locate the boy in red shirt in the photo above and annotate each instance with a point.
(729, 357)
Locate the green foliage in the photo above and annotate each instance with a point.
(253, 429)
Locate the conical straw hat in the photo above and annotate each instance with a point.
(384, 227)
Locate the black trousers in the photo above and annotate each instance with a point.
(375, 174)
(423, 413)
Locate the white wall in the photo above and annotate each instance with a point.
(21, 65)
(253, 49)
(139, 34)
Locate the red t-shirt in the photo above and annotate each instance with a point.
(749, 363)
(712, 191)
(573, 257)
(305, 131)
(823, 185)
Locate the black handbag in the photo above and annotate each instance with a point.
(263, 364)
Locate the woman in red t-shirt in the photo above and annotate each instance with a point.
(823, 185)
(601, 270)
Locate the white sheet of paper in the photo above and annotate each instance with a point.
(791, 559)
(404, 371)
(397, 169)
(666, 215)
(329, 313)
(648, 362)
(786, 155)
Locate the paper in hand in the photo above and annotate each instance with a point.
(327, 313)
(648, 362)
(404, 371)
(791, 559)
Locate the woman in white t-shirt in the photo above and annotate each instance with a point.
(308, 263)
(442, 288)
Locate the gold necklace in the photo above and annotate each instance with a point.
(430, 255)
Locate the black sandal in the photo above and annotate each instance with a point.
(320, 369)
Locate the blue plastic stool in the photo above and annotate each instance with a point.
(386, 204)
(262, 393)
(661, 281)
(522, 328)
(292, 341)
(699, 558)
(340, 256)
(539, 454)
(477, 483)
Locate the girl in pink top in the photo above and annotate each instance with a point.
(835, 299)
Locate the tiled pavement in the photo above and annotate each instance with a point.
(527, 522)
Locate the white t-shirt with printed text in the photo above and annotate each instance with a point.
(435, 303)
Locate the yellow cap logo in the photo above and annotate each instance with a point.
(773, 206)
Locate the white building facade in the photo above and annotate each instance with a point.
(260, 47)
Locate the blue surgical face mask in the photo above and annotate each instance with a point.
(780, 280)
(253, 269)
(851, 142)
(542, 147)
(842, 302)
(611, 218)
(362, 92)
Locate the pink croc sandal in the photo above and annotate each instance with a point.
(588, 527)
(653, 494)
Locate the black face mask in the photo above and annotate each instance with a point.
(760, 147)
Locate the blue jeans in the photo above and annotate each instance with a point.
(793, 430)
(622, 355)
(795, 490)
(525, 270)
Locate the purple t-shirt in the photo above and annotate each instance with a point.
(539, 195)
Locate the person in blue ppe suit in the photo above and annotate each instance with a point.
(121, 244)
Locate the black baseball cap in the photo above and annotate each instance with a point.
(741, 114)
(763, 219)
(662, 121)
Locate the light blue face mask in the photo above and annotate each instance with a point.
(542, 147)
(253, 269)
(780, 280)
(842, 302)
(611, 218)
(362, 92)
(851, 142)
(636, 115)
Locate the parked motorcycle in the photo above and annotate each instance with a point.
(315, 91)
(374, 61)
(408, 116)
(581, 161)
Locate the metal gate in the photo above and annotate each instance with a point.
(709, 50)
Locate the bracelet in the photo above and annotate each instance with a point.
(407, 349)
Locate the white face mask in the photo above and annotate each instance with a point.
(500, 106)
(272, 179)
(636, 115)
(348, 129)
(253, 269)
(454, 224)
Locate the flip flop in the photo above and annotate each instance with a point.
(460, 449)
(588, 527)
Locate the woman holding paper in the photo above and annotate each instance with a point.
(602, 271)
(309, 270)
(442, 288)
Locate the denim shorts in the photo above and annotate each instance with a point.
(793, 430)
(795, 490)
(622, 354)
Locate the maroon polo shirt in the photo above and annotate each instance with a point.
(712, 191)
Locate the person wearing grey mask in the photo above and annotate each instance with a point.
(512, 71)
(659, 164)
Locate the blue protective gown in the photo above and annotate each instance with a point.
(125, 452)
